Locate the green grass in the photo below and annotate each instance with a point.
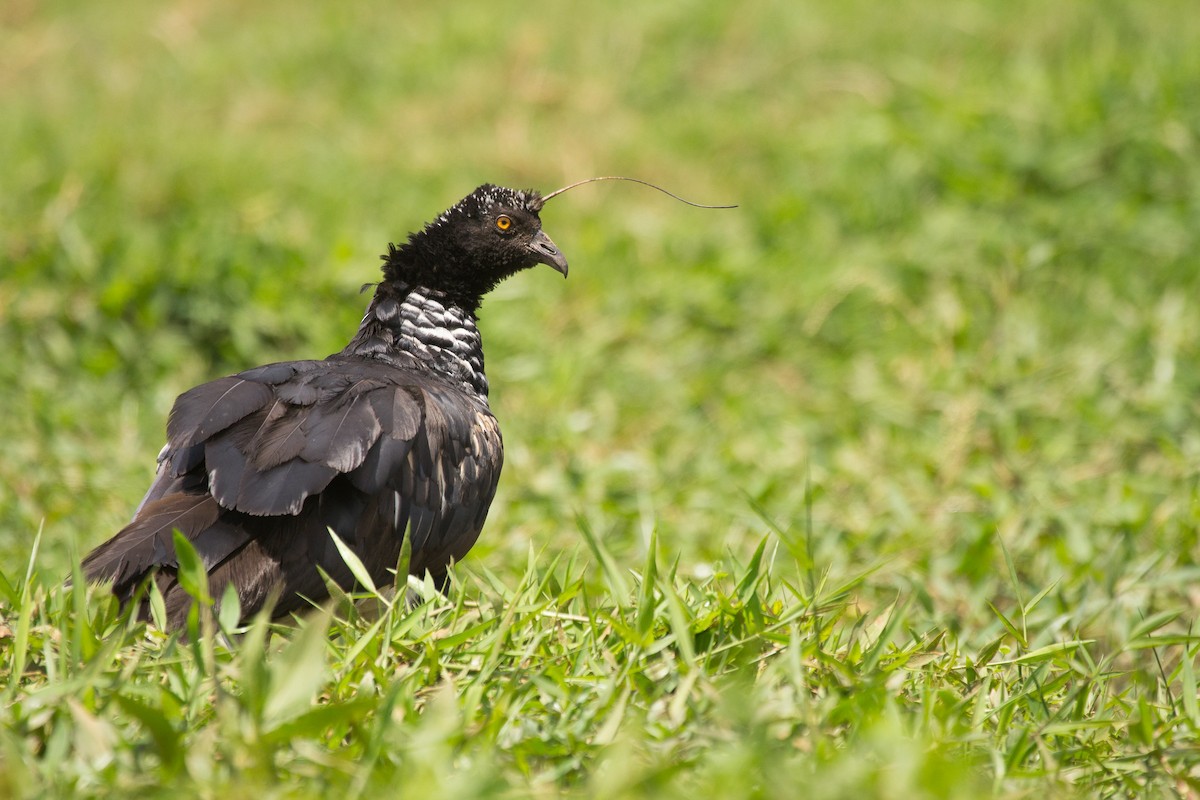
(886, 484)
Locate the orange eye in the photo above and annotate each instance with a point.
(504, 222)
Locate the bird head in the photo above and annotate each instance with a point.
(482, 239)
(490, 234)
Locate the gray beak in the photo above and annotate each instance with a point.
(544, 251)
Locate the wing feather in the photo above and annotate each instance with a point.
(146, 542)
(281, 437)
(212, 407)
(382, 463)
(399, 414)
(339, 434)
(282, 489)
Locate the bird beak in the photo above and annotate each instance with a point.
(544, 251)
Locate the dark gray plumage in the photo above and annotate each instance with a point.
(392, 436)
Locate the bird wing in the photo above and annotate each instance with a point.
(259, 465)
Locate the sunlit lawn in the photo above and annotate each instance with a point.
(882, 485)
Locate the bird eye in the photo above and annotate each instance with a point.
(504, 222)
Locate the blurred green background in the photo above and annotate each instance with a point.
(958, 300)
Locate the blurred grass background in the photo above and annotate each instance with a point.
(958, 300)
(959, 288)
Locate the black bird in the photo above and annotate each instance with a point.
(392, 436)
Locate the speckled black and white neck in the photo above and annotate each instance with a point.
(406, 325)
(464, 252)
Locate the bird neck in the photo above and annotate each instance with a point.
(423, 261)
(417, 326)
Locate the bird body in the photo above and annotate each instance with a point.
(390, 437)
